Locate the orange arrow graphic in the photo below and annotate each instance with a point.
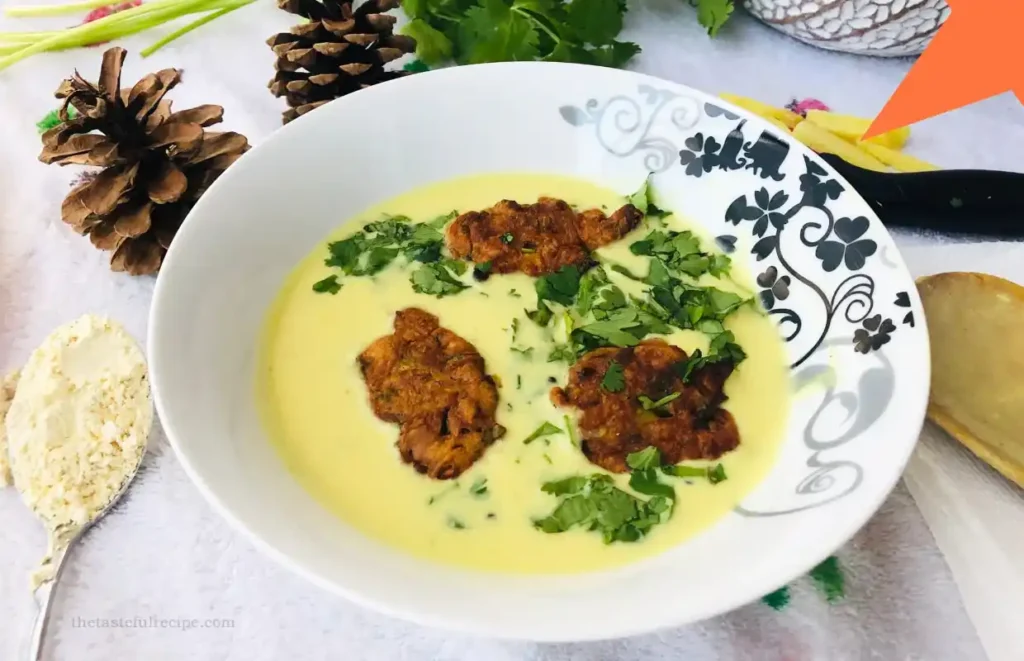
(976, 54)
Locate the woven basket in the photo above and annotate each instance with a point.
(884, 28)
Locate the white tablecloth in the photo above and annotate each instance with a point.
(167, 556)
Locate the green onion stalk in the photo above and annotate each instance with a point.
(16, 46)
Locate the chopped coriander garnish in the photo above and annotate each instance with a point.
(546, 429)
(595, 503)
(644, 477)
(713, 474)
(525, 351)
(681, 252)
(482, 271)
(507, 238)
(456, 524)
(560, 286)
(541, 316)
(515, 327)
(479, 487)
(519, 381)
(514, 294)
(547, 458)
(649, 457)
(328, 285)
(571, 431)
(439, 222)
(437, 279)
(641, 198)
(650, 405)
(614, 379)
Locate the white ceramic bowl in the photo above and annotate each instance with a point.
(840, 292)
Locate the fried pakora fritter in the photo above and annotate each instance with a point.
(615, 424)
(536, 239)
(433, 384)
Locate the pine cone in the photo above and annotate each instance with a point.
(156, 163)
(339, 51)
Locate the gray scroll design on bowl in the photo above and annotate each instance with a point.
(641, 123)
(830, 478)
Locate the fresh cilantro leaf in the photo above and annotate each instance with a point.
(440, 222)
(651, 405)
(615, 54)
(541, 316)
(713, 474)
(686, 368)
(649, 457)
(432, 46)
(596, 21)
(507, 238)
(546, 429)
(492, 32)
(567, 486)
(565, 353)
(456, 266)
(642, 198)
(344, 254)
(328, 285)
(514, 294)
(436, 280)
(646, 482)
(560, 286)
(572, 432)
(614, 379)
(456, 524)
(595, 503)
(479, 487)
(713, 14)
(377, 260)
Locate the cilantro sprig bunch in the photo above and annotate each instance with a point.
(376, 246)
(477, 31)
(593, 502)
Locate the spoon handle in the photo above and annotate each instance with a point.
(44, 601)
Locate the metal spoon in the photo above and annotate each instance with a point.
(43, 594)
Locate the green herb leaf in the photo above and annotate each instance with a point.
(595, 503)
(525, 351)
(713, 474)
(650, 405)
(435, 280)
(713, 14)
(507, 238)
(432, 46)
(456, 524)
(546, 429)
(572, 431)
(479, 487)
(560, 286)
(541, 316)
(596, 21)
(328, 285)
(646, 482)
(440, 222)
(614, 379)
(642, 198)
(492, 32)
(649, 457)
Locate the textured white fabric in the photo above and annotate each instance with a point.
(166, 555)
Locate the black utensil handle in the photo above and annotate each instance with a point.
(981, 202)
